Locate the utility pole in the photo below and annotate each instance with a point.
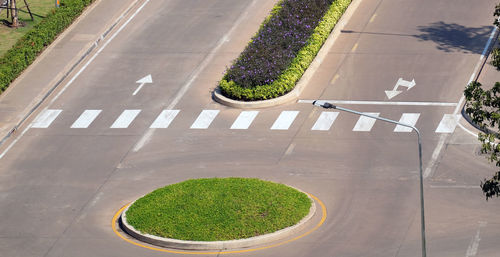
(13, 8)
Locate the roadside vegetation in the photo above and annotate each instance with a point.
(31, 40)
(483, 106)
(283, 48)
(217, 209)
(8, 35)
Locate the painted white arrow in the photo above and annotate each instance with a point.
(143, 81)
(401, 82)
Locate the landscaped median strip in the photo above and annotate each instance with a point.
(25, 51)
(283, 48)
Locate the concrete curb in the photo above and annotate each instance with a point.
(216, 245)
(64, 74)
(306, 77)
(463, 112)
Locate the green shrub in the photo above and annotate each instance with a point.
(288, 79)
(495, 58)
(26, 49)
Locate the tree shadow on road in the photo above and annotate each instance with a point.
(452, 37)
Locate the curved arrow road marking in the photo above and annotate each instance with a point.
(401, 82)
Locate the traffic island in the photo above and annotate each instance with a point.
(218, 214)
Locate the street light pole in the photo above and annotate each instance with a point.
(327, 105)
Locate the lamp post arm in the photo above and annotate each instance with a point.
(422, 212)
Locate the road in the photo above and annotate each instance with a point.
(105, 137)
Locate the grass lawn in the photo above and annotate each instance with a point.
(8, 35)
(218, 209)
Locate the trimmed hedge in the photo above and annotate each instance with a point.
(287, 80)
(26, 49)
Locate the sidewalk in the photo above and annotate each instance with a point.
(488, 76)
(58, 60)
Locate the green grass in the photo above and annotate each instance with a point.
(218, 209)
(8, 35)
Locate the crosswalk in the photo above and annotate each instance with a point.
(244, 121)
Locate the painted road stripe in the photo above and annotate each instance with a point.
(86, 118)
(205, 119)
(244, 120)
(164, 119)
(365, 123)
(344, 102)
(448, 123)
(45, 118)
(125, 119)
(409, 119)
(325, 121)
(285, 120)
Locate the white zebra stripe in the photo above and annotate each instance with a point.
(325, 121)
(244, 120)
(365, 123)
(45, 118)
(285, 120)
(125, 119)
(86, 118)
(164, 119)
(205, 119)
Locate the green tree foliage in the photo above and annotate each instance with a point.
(483, 106)
(25, 51)
(495, 54)
(496, 14)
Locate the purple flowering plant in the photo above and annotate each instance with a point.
(277, 43)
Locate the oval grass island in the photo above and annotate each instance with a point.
(217, 213)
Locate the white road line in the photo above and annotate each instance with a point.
(205, 119)
(15, 141)
(474, 244)
(86, 118)
(409, 119)
(442, 139)
(325, 121)
(125, 119)
(454, 187)
(441, 104)
(365, 123)
(164, 119)
(448, 123)
(98, 52)
(83, 68)
(285, 120)
(45, 118)
(244, 120)
(208, 59)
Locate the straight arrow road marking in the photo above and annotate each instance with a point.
(401, 82)
(407, 118)
(86, 118)
(125, 119)
(285, 120)
(45, 118)
(164, 119)
(244, 120)
(148, 79)
(205, 119)
(325, 121)
(364, 123)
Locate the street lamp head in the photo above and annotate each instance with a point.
(325, 105)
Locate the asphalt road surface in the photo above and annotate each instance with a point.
(138, 114)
